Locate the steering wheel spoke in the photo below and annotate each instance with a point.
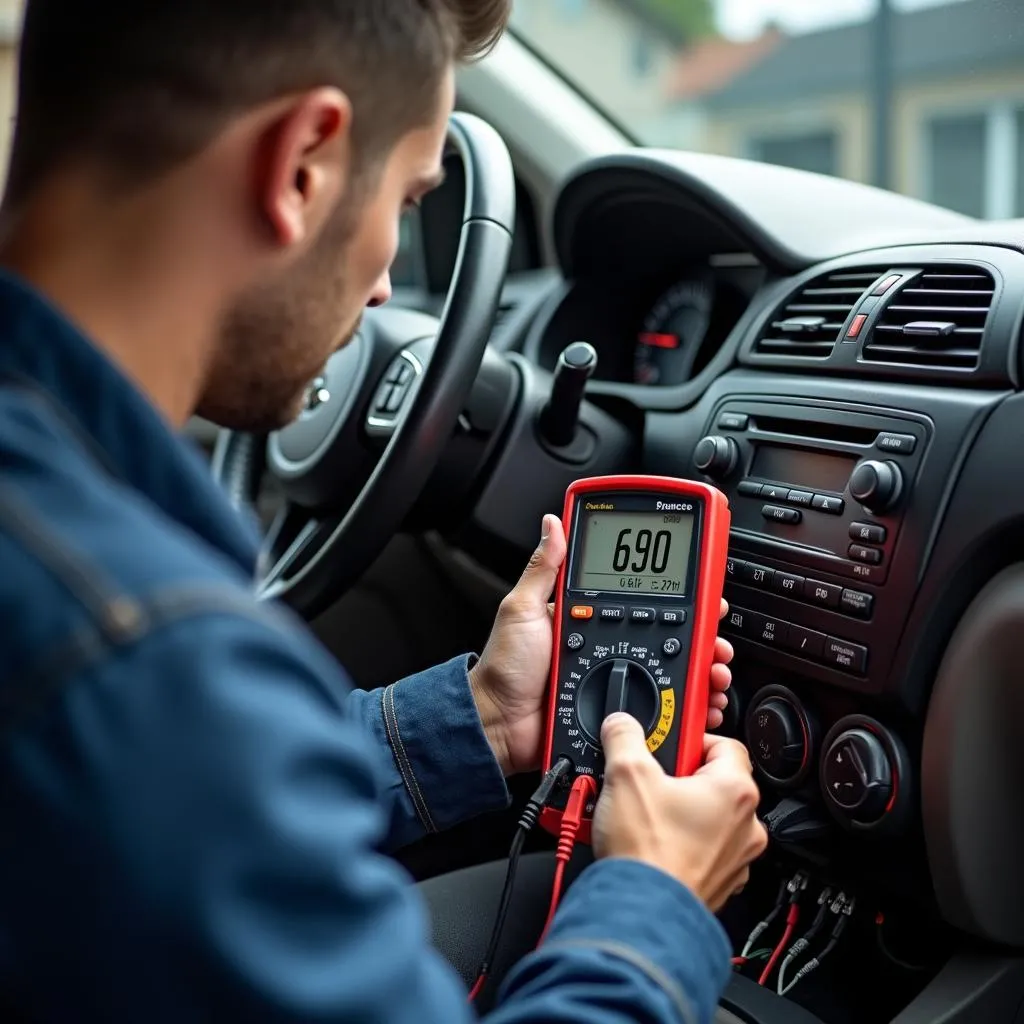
(292, 543)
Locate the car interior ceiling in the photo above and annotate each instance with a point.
(861, 375)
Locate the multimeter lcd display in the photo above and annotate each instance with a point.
(636, 552)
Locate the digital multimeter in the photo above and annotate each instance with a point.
(636, 615)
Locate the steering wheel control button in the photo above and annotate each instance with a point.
(733, 421)
(574, 641)
(801, 498)
(847, 656)
(778, 514)
(749, 488)
(870, 556)
(616, 685)
(868, 533)
(828, 503)
(671, 647)
(853, 602)
(805, 642)
(773, 492)
(788, 584)
(673, 616)
(400, 372)
(581, 611)
(757, 576)
(857, 775)
(828, 595)
(642, 615)
(613, 613)
(896, 444)
(716, 456)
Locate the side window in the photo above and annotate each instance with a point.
(408, 271)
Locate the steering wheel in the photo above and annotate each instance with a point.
(399, 385)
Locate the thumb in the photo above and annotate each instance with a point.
(538, 579)
(622, 737)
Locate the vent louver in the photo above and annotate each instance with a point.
(810, 322)
(937, 320)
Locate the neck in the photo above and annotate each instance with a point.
(118, 271)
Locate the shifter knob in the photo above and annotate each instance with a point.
(559, 417)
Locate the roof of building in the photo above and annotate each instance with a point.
(955, 39)
(711, 64)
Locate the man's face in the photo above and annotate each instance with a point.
(279, 334)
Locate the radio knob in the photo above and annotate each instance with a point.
(716, 456)
(876, 485)
(857, 776)
(778, 738)
(618, 685)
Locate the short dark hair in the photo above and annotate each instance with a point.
(138, 86)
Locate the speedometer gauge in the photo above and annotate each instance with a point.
(672, 334)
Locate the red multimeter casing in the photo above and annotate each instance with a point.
(637, 610)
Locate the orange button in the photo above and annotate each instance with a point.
(582, 611)
(858, 322)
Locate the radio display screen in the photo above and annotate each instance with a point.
(819, 471)
(641, 552)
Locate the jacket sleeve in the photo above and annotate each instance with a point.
(439, 769)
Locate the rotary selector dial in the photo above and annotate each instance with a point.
(617, 685)
(878, 486)
(716, 456)
(857, 776)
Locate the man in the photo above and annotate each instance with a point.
(203, 196)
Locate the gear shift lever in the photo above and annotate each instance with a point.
(560, 416)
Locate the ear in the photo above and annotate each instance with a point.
(305, 165)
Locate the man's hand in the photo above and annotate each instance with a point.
(701, 830)
(509, 682)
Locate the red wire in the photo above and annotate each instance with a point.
(584, 789)
(791, 919)
(477, 986)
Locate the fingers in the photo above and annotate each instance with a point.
(725, 755)
(715, 718)
(724, 652)
(724, 609)
(624, 742)
(721, 678)
(534, 588)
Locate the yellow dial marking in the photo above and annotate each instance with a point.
(661, 730)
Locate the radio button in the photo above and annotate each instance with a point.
(774, 492)
(802, 498)
(859, 553)
(582, 611)
(749, 488)
(739, 622)
(758, 575)
(613, 613)
(898, 444)
(778, 514)
(734, 568)
(825, 594)
(805, 642)
(733, 421)
(642, 615)
(853, 602)
(766, 630)
(868, 533)
(826, 503)
(787, 583)
(673, 616)
(852, 657)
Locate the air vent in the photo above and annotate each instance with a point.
(936, 321)
(810, 322)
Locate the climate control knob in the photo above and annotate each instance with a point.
(617, 685)
(857, 776)
(779, 737)
(716, 456)
(877, 485)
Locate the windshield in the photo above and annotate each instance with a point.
(924, 97)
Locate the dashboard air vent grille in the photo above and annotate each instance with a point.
(810, 322)
(937, 320)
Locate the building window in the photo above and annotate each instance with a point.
(811, 151)
(957, 159)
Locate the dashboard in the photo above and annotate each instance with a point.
(845, 364)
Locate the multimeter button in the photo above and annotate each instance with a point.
(642, 615)
(613, 613)
(581, 611)
(671, 647)
(574, 641)
(673, 616)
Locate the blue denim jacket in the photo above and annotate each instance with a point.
(196, 807)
